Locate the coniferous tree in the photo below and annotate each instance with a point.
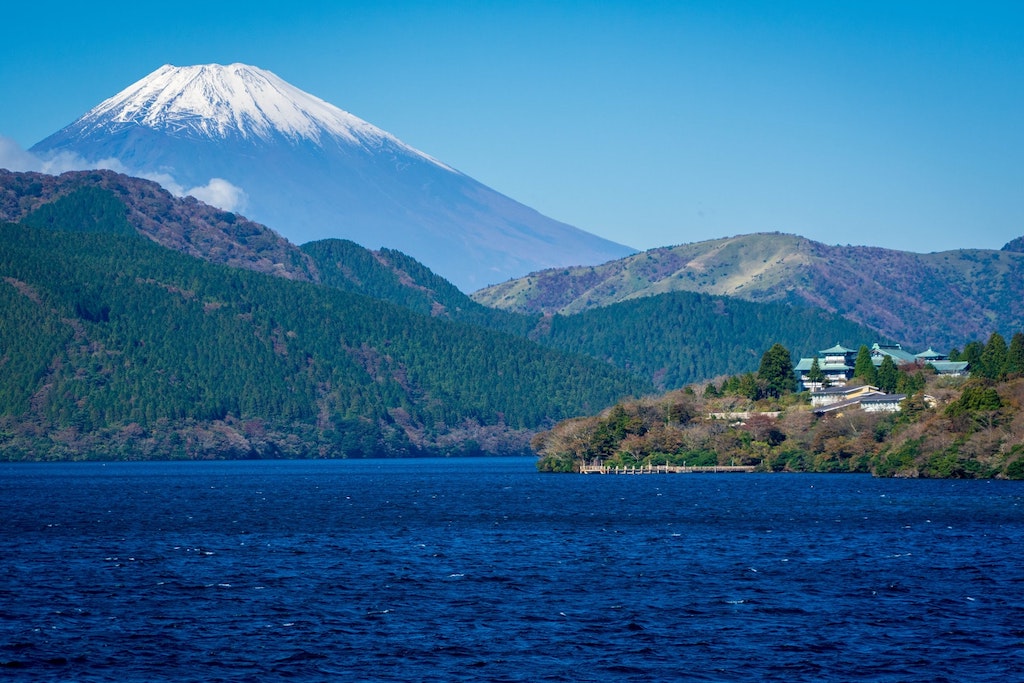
(910, 383)
(975, 397)
(993, 358)
(749, 386)
(972, 355)
(888, 375)
(1015, 355)
(815, 374)
(864, 368)
(776, 371)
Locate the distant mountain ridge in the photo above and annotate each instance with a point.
(939, 299)
(314, 171)
(207, 233)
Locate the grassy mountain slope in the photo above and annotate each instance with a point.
(764, 265)
(935, 299)
(113, 346)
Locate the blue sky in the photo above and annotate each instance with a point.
(888, 123)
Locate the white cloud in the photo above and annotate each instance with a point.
(217, 192)
(165, 180)
(14, 158)
(220, 193)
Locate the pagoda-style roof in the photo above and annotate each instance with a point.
(805, 365)
(931, 354)
(837, 350)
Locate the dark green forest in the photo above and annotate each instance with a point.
(112, 345)
(682, 337)
(669, 340)
(392, 276)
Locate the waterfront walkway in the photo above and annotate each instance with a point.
(664, 469)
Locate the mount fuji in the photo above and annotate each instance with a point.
(312, 171)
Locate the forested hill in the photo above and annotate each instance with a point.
(947, 426)
(682, 337)
(112, 346)
(392, 276)
(1016, 244)
(936, 299)
(80, 198)
(669, 340)
(183, 224)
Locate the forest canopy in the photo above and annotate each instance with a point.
(113, 346)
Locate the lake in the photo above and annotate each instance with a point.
(483, 569)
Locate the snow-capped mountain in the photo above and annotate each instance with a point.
(311, 171)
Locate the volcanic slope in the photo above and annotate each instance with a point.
(313, 171)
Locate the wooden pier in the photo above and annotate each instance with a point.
(665, 469)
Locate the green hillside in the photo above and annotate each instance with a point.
(183, 224)
(669, 339)
(113, 346)
(137, 324)
(392, 276)
(683, 337)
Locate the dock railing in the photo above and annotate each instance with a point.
(664, 469)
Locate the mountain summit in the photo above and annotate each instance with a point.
(225, 102)
(312, 171)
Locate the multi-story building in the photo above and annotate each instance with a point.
(837, 363)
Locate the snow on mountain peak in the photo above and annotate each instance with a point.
(216, 101)
(235, 134)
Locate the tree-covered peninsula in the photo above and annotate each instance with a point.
(947, 426)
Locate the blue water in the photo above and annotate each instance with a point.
(453, 570)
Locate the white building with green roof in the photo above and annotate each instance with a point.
(837, 363)
(931, 355)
